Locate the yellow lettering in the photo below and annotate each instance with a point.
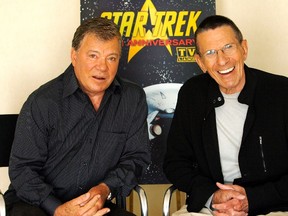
(127, 23)
(169, 20)
(171, 23)
(180, 22)
(141, 20)
(191, 51)
(107, 15)
(181, 51)
(192, 22)
(116, 16)
(158, 24)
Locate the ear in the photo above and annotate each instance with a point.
(244, 45)
(200, 62)
(73, 56)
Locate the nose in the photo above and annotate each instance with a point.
(102, 64)
(222, 59)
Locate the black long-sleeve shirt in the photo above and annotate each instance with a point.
(63, 147)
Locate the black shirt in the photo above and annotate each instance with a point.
(63, 147)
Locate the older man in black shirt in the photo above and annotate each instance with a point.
(82, 137)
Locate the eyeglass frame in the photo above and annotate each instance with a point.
(213, 55)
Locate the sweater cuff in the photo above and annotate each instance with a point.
(50, 204)
(208, 204)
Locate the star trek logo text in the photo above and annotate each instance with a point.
(149, 27)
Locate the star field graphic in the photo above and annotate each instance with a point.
(157, 53)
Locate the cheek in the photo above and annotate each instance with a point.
(113, 68)
(89, 63)
(241, 56)
(211, 67)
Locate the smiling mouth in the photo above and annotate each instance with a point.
(98, 78)
(227, 71)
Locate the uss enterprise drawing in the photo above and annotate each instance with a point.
(161, 99)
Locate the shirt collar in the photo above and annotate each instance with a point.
(246, 95)
(71, 84)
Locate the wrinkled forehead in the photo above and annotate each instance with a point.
(94, 40)
(216, 36)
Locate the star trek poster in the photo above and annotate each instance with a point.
(158, 49)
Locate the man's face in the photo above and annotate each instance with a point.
(96, 63)
(226, 66)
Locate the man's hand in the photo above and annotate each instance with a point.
(230, 200)
(102, 191)
(89, 204)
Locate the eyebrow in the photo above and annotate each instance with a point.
(222, 46)
(96, 51)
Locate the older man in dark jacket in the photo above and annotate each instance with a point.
(228, 142)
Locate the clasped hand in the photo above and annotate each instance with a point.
(88, 204)
(230, 200)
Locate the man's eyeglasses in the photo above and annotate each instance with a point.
(228, 50)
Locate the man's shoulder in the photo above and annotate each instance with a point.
(200, 81)
(266, 74)
(45, 97)
(268, 78)
(55, 86)
(50, 88)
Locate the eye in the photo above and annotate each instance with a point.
(112, 58)
(93, 56)
(229, 49)
(210, 52)
(227, 46)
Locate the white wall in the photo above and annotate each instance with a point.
(36, 36)
(35, 43)
(264, 24)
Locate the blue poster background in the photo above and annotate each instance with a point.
(158, 48)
